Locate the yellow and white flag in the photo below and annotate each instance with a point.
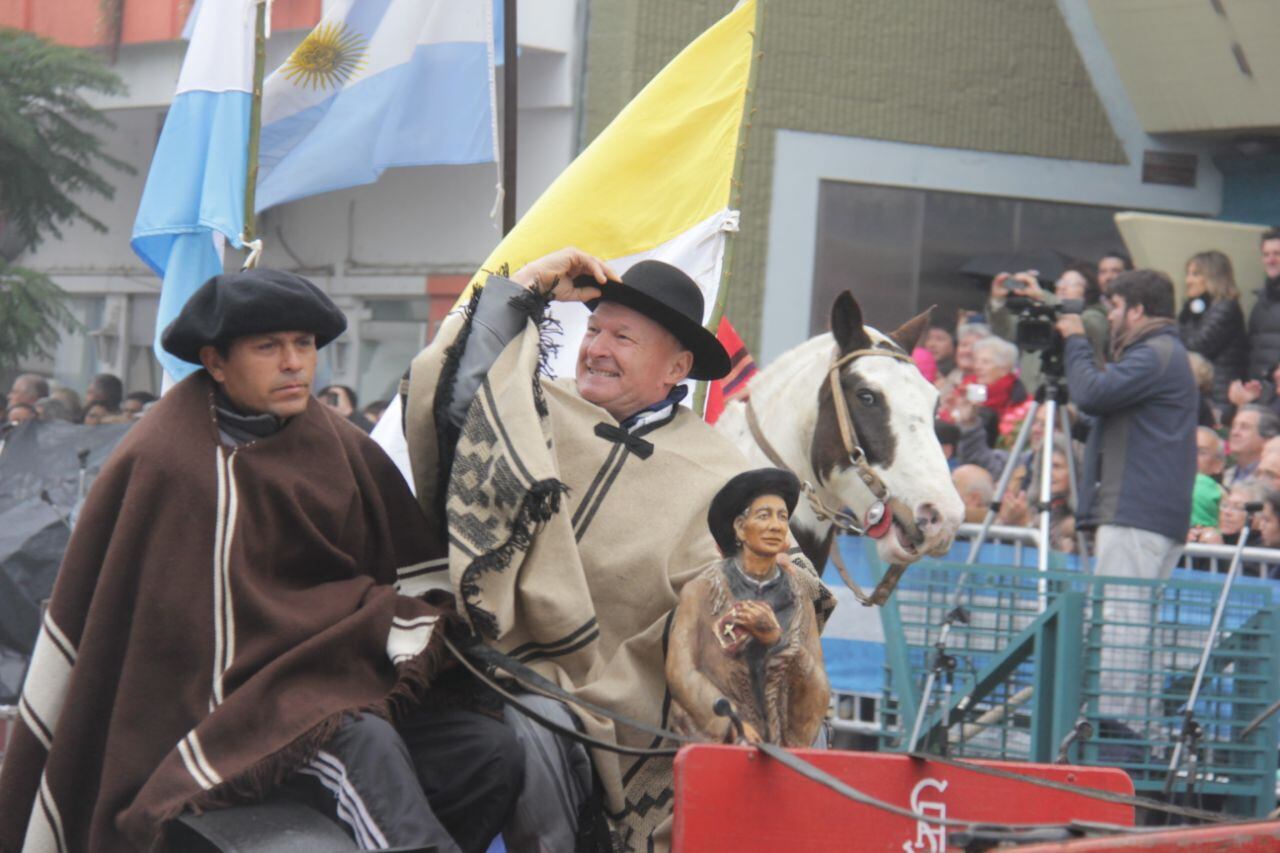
(655, 183)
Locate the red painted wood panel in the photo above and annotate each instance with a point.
(731, 799)
(81, 23)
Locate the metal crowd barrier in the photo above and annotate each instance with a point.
(1118, 652)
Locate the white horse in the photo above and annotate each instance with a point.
(791, 420)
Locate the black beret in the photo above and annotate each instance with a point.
(739, 493)
(253, 302)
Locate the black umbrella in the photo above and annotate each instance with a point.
(40, 474)
(1048, 264)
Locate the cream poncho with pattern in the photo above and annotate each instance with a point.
(568, 549)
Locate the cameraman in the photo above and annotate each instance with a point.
(1143, 419)
(1144, 410)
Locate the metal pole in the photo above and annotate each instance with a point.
(255, 123)
(1005, 476)
(510, 104)
(735, 189)
(1046, 498)
(1082, 545)
(1189, 724)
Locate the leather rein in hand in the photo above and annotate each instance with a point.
(872, 520)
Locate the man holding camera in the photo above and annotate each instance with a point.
(1140, 457)
(1144, 420)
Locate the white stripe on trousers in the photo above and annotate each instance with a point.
(332, 773)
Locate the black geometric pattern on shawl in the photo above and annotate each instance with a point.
(647, 783)
(494, 507)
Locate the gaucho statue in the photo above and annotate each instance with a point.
(746, 628)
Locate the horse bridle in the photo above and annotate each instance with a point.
(872, 523)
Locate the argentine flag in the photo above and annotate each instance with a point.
(378, 84)
(193, 202)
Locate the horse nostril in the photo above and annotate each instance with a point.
(927, 516)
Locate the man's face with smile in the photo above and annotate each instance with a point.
(627, 361)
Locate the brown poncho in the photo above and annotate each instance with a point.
(568, 547)
(217, 612)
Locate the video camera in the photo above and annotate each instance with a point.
(1036, 330)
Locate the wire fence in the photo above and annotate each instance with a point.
(1015, 679)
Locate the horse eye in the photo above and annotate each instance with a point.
(866, 398)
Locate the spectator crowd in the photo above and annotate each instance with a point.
(35, 397)
(1130, 438)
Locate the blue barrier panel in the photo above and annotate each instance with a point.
(853, 642)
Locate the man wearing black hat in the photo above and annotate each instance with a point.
(236, 615)
(574, 508)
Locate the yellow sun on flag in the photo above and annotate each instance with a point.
(327, 57)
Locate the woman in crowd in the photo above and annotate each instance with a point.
(951, 387)
(1078, 282)
(993, 362)
(1211, 321)
(1231, 516)
(1269, 520)
(1018, 510)
(342, 399)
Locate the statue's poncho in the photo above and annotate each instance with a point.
(217, 613)
(568, 549)
(781, 690)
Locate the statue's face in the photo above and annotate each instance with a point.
(762, 529)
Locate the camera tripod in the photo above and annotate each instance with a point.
(1051, 395)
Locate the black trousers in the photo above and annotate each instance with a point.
(446, 778)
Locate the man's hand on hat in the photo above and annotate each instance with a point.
(552, 275)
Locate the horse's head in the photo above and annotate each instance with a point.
(891, 407)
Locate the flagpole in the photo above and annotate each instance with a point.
(250, 237)
(510, 103)
(735, 189)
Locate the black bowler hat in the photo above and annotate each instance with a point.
(671, 299)
(738, 494)
(253, 302)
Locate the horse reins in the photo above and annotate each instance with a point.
(486, 664)
(872, 522)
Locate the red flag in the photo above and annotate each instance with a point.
(734, 385)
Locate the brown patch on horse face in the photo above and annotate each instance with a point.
(909, 333)
(870, 418)
(870, 414)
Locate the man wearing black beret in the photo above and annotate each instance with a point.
(237, 616)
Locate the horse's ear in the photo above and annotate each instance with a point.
(846, 324)
(909, 333)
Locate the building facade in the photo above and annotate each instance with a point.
(892, 141)
(889, 142)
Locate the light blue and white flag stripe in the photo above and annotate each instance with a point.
(379, 84)
(194, 197)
